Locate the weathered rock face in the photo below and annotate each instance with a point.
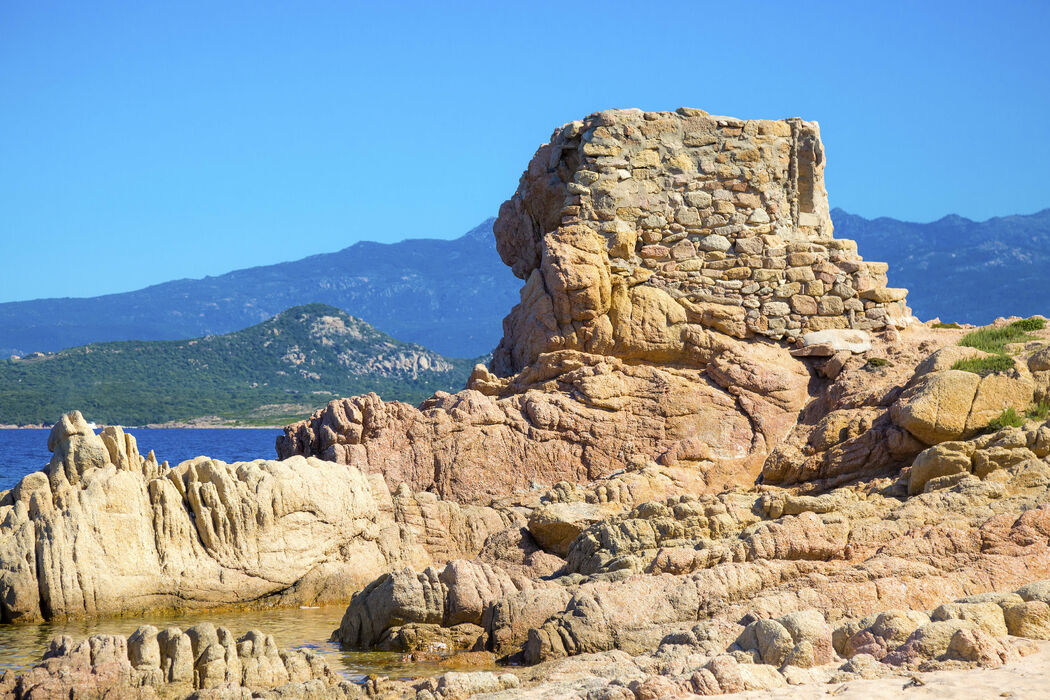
(741, 590)
(661, 253)
(106, 531)
(459, 595)
(571, 416)
(951, 404)
(203, 661)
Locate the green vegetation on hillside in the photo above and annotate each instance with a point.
(279, 370)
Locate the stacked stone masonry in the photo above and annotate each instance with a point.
(714, 211)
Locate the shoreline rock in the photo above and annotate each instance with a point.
(201, 661)
(104, 531)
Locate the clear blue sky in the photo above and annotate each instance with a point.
(146, 141)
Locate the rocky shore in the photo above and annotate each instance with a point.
(713, 454)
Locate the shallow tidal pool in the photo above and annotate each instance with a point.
(21, 646)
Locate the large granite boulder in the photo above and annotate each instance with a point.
(953, 404)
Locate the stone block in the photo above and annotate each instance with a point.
(884, 295)
(715, 242)
(801, 259)
(738, 273)
(776, 308)
(749, 246)
(829, 306)
(655, 251)
(698, 199)
(805, 305)
(683, 250)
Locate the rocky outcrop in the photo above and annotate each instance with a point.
(470, 446)
(799, 649)
(699, 590)
(203, 661)
(952, 404)
(458, 596)
(566, 419)
(105, 531)
(661, 253)
(724, 557)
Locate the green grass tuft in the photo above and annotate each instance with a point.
(954, 326)
(985, 365)
(995, 340)
(1009, 418)
(1029, 324)
(1039, 411)
(874, 362)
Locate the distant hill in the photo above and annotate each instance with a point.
(449, 296)
(958, 269)
(269, 373)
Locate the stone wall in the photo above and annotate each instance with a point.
(729, 217)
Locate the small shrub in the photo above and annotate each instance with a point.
(994, 340)
(1029, 324)
(1039, 411)
(875, 362)
(953, 325)
(1009, 418)
(985, 365)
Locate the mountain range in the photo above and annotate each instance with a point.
(451, 295)
(269, 373)
(958, 269)
(448, 295)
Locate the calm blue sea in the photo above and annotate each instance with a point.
(24, 451)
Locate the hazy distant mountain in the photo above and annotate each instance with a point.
(273, 372)
(958, 269)
(450, 296)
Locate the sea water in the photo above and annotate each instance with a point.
(25, 450)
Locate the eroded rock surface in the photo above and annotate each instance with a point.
(672, 593)
(203, 661)
(105, 531)
(573, 417)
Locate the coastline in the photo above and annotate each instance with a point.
(163, 426)
(203, 425)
